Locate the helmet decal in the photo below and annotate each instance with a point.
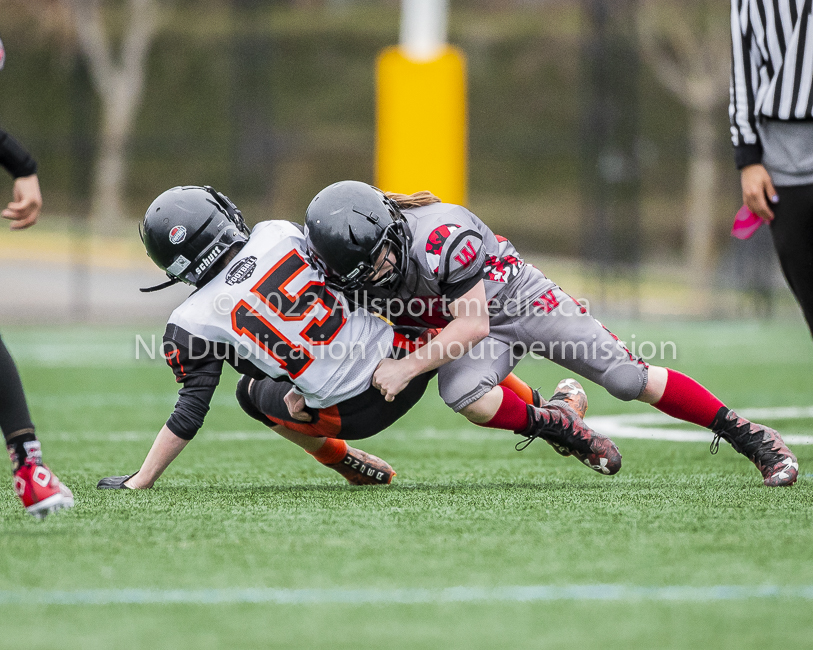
(434, 244)
(177, 235)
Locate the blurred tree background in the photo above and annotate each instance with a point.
(596, 130)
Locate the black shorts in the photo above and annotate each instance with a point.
(359, 417)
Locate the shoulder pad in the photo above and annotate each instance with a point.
(454, 252)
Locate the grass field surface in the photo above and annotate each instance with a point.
(247, 542)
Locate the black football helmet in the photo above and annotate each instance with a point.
(187, 229)
(347, 225)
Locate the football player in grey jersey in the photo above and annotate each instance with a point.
(423, 261)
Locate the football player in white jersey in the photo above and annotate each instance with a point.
(262, 306)
(423, 261)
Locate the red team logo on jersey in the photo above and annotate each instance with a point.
(466, 254)
(502, 269)
(505, 268)
(435, 242)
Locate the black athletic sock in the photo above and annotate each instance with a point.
(22, 447)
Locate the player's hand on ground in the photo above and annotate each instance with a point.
(296, 406)
(25, 208)
(390, 378)
(758, 190)
(117, 483)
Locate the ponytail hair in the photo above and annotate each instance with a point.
(416, 200)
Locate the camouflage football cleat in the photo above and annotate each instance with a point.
(571, 393)
(361, 468)
(537, 397)
(760, 444)
(559, 424)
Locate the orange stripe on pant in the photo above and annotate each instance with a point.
(329, 424)
(523, 390)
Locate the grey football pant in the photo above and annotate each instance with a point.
(553, 326)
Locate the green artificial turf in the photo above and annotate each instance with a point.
(242, 509)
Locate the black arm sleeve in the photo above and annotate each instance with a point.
(190, 410)
(197, 364)
(748, 154)
(15, 158)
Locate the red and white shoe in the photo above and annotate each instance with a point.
(40, 490)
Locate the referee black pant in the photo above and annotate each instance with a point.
(792, 231)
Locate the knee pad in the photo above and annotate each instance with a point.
(458, 392)
(625, 382)
(244, 399)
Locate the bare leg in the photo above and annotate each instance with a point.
(485, 408)
(655, 385)
(308, 443)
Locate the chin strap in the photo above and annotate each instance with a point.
(158, 287)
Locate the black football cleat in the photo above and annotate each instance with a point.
(760, 444)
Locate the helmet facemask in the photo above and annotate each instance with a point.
(351, 229)
(393, 243)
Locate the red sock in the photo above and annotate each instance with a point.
(685, 399)
(512, 414)
(330, 453)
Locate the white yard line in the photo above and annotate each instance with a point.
(511, 594)
(650, 426)
(644, 426)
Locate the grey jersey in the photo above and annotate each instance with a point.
(451, 251)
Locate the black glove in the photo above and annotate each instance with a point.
(114, 482)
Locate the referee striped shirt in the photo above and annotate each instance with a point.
(771, 68)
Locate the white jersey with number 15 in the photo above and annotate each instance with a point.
(273, 306)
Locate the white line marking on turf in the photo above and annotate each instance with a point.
(149, 436)
(644, 426)
(515, 594)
